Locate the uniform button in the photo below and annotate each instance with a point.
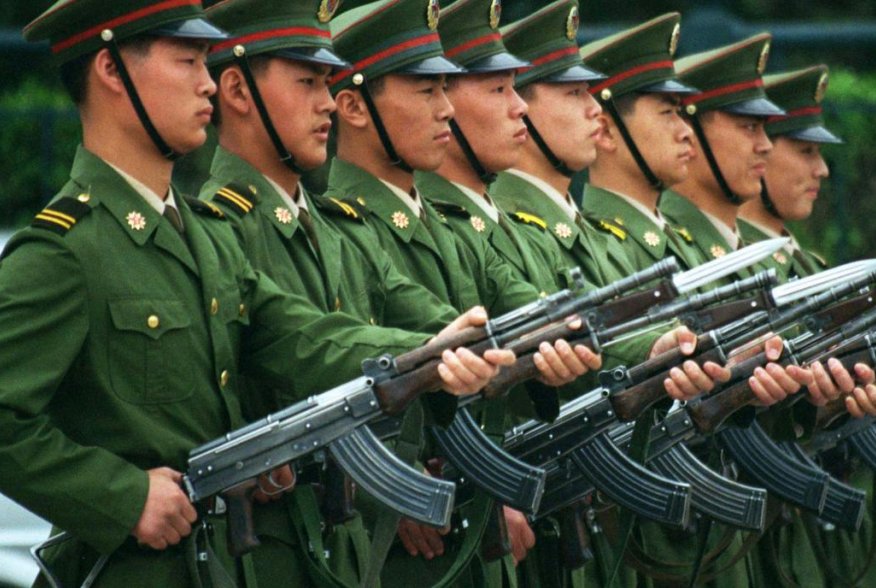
(152, 322)
(214, 306)
(242, 309)
(223, 378)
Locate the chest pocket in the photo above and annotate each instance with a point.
(150, 349)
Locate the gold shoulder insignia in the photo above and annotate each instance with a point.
(449, 209)
(238, 198)
(612, 228)
(684, 233)
(204, 208)
(347, 208)
(530, 219)
(61, 215)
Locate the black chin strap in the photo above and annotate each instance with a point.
(652, 178)
(163, 148)
(484, 175)
(767, 201)
(285, 157)
(381, 130)
(546, 151)
(713, 163)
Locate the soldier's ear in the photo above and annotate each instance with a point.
(105, 74)
(352, 109)
(607, 140)
(233, 92)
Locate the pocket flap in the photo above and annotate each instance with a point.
(153, 317)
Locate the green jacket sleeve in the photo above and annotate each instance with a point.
(84, 489)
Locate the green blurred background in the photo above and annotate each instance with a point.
(39, 128)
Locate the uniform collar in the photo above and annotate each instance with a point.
(648, 230)
(563, 201)
(296, 203)
(482, 201)
(150, 196)
(730, 234)
(411, 201)
(653, 215)
(769, 233)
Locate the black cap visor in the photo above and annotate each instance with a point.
(755, 107)
(816, 134)
(319, 55)
(668, 87)
(431, 66)
(576, 73)
(495, 63)
(194, 28)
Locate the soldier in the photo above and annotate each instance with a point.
(272, 77)
(790, 188)
(392, 120)
(149, 310)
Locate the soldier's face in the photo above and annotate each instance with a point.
(490, 114)
(794, 177)
(416, 111)
(566, 116)
(661, 135)
(175, 87)
(741, 148)
(297, 97)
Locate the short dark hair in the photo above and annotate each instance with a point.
(74, 74)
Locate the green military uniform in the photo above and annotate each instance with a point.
(790, 552)
(151, 320)
(291, 241)
(792, 262)
(639, 61)
(146, 350)
(706, 239)
(417, 238)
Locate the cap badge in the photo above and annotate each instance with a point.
(652, 239)
(717, 251)
(400, 219)
(572, 22)
(136, 220)
(563, 230)
(821, 90)
(764, 56)
(283, 214)
(495, 13)
(478, 224)
(673, 39)
(432, 12)
(327, 10)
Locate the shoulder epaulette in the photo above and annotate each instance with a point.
(61, 215)
(449, 209)
(610, 227)
(530, 219)
(204, 208)
(349, 209)
(239, 198)
(684, 233)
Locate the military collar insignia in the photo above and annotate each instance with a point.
(572, 23)
(327, 10)
(764, 57)
(400, 219)
(780, 257)
(562, 230)
(821, 90)
(717, 251)
(673, 40)
(613, 229)
(283, 214)
(478, 224)
(651, 238)
(495, 13)
(432, 12)
(136, 220)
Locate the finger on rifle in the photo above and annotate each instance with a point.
(865, 374)
(718, 373)
(828, 387)
(592, 360)
(862, 401)
(682, 381)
